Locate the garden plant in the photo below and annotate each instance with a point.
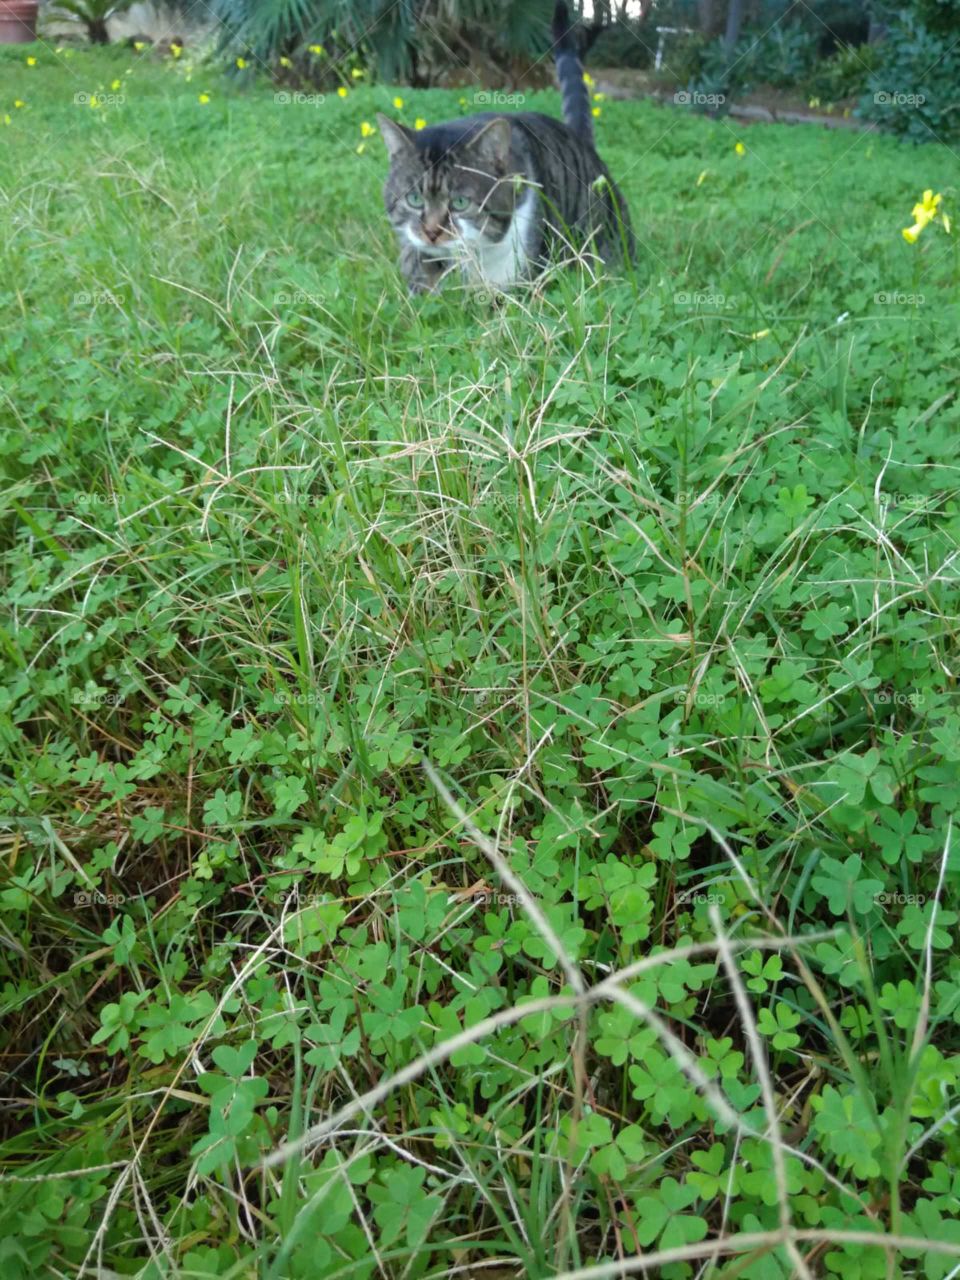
(479, 772)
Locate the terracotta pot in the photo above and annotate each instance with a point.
(18, 21)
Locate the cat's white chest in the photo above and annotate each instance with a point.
(504, 263)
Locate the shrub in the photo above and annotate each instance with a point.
(913, 90)
(942, 16)
(846, 74)
(627, 44)
(781, 57)
(402, 41)
(93, 14)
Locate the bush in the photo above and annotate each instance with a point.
(626, 44)
(684, 58)
(846, 74)
(401, 41)
(942, 16)
(91, 14)
(913, 90)
(838, 22)
(780, 57)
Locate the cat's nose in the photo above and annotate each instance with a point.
(433, 232)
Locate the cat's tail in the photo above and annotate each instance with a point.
(576, 95)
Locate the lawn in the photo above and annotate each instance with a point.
(374, 668)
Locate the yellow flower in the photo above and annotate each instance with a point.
(357, 73)
(703, 177)
(176, 50)
(139, 46)
(927, 211)
(366, 129)
(31, 62)
(242, 64)
(285, 62)
(588, 79)
(342, 91)
(462, 101)
(596, 111)
(740, 149)
(398, 103)
(94, 101)
(361, 148)
(115, 84)
(419, 123)
(203, 99)
(6, 118)
(316, 49)
(814, 102)
(599, 97)
(18, 103)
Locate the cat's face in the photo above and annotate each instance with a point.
(444, 192)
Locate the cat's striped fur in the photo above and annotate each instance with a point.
(493, 197)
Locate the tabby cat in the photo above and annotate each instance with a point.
(490, 198)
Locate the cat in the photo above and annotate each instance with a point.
(490, 198)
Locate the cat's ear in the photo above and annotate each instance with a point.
(489, 149)
(398, 139)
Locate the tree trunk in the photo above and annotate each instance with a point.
(734, 20)
(97, 31)
(707, 17)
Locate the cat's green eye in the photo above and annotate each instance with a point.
(414, 199)
(459, 203)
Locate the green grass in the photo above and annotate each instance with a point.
(657, 575)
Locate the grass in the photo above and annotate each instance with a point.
(478, 776)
